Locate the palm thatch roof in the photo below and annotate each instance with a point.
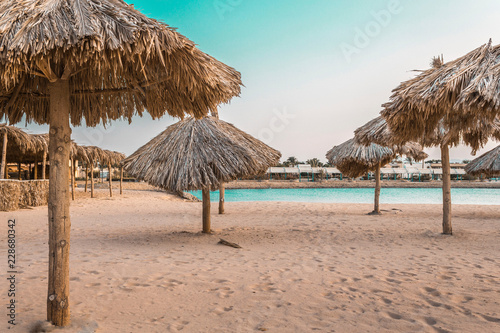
(354, 159)
(119, 63)
(488, 164)
(378, 131)
(93, 154)
(40, 142)
(17, 139)
(23, 147)
(460, 96)
(199, 154)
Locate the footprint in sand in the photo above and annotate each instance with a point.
(386, 300)
(394, 315)
(170, 284)
(430, 321)
(224, 292)
(490, 319)
(434, 304)
(266, 287)
(432, 291)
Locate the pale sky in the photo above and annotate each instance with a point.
(314, 70)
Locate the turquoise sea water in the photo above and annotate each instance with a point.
(462, 196)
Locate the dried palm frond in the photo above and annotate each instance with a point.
(119, 63)
(459, 96)
(377, 131)
(354, 159)
(198, 154)
(488, 164)
(93, 154)
(16, 137)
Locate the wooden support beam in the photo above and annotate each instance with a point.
(110, 181)
(44, 164)
(222, 193)
(86, 175)
(4, 157)
(92, 180)
(206, 210)
(72, 178)
(121, 180)
(58, 307)
(445, 159)
(376, 208)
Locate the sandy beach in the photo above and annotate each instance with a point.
(140, 264)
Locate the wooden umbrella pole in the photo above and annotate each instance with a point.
(58, 311)
(376, 208)
(19, 170)
(36, 170)
(445, 159)
(4, 157)
(121, 180)
(86, 175)
(110, 181)
(72, 179)
(206, 210)
(222, 191)
(92, 180)
(44, 164)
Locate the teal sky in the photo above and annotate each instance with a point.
(313, 70)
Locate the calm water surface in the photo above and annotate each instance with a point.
(463, 196)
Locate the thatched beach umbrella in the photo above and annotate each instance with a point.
(40, 145)
(454, 98)
(354, 159)
(96, 61)
(488, 164)
(112, 158)
(200, 155)
(15, 137)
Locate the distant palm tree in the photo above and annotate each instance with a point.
(292, 161)
(314, 162)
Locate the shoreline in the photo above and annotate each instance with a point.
(282, 184)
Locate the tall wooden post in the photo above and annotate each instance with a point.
(73, 178)
(222, 191)
(44, 164)
(445, 160)
(110, 180)
(121, 180)
(29, 171)
(92, 179)
(36, 170)
(4, 157)
(86, 175)
(19, 170)
(376, 208)
(6, 171)
(205, 193)
(58, 311)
